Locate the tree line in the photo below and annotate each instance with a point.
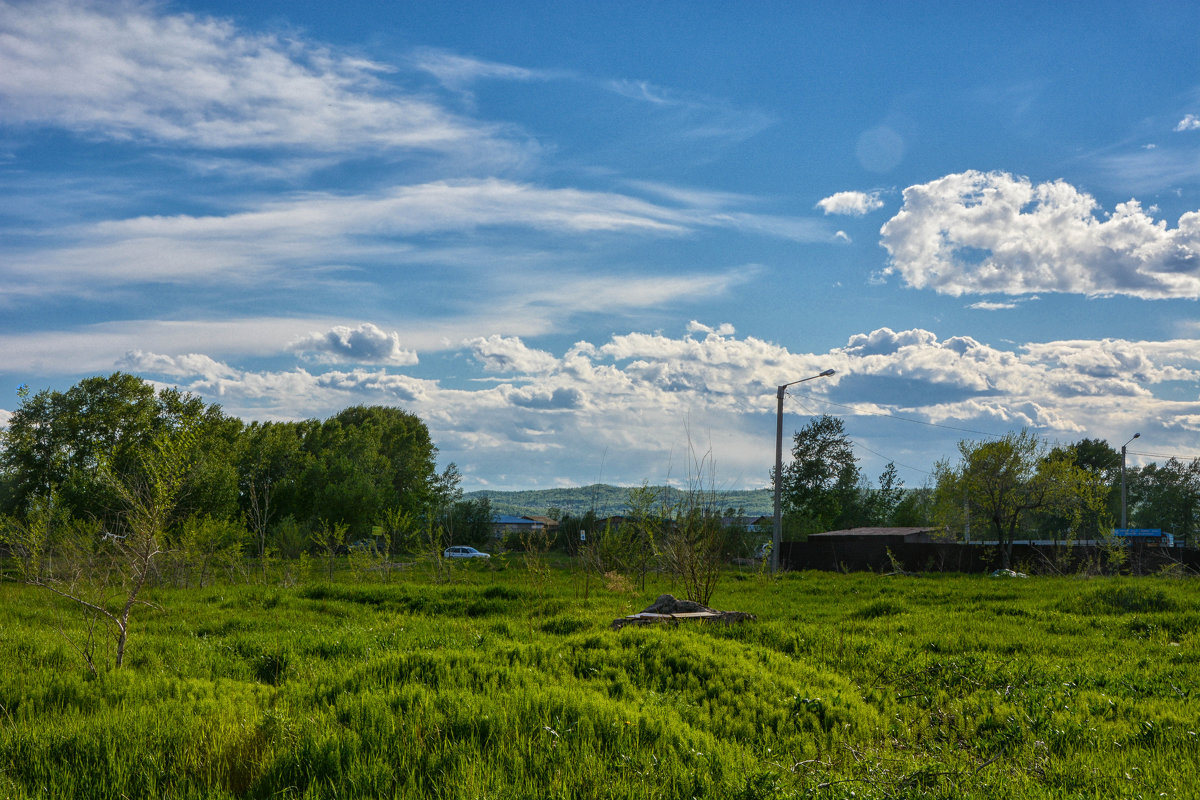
(1011, 488)
(369, 473)
(264, 487)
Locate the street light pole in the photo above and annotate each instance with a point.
(777, 532)
(1123, 519)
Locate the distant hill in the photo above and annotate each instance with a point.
(610, 500)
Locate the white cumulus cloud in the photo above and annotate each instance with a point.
(855, 204)
(509, 354)
(981, 232)
(366, 344)
(1189, 123)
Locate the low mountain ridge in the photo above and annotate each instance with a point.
(607, 500)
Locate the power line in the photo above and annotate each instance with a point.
(892, 460)
(864, 447)
(1162, 455)
(857, 410)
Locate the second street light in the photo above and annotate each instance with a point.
(1123, 520)
(777, 532)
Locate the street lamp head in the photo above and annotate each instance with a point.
(1135, 436)
(784, 386)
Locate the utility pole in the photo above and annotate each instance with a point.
(777, 532)
(1124, 521)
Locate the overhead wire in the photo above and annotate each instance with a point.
(859, 411)
(863, 446)
(1162, 455)
(892, 460)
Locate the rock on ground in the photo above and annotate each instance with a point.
(668, 605)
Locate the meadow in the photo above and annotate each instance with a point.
(506, 682)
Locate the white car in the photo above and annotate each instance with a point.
(462, 551)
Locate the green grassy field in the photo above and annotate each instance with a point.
(498, 684)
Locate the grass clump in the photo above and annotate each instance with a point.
(1129, 597)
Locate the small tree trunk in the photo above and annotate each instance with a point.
(122, 635)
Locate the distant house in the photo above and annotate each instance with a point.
(502, 525)
(549, 524)
(752, 524)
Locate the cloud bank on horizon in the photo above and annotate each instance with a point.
(658, 395)
(578, 267)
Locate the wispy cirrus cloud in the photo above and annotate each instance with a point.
(695, 116)
(321, 229)
(1151, 169)
(123, 71)
(545, 301)
(691, 115)
(457, 71)
(976, 232)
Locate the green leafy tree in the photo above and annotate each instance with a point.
(289, 537)
(362, 461)
(66, 442)
(399, 529)
(875, 506)
(1098, 502)
(105, 576)
(820, 484)
(914, 509)
(642, 530)
(204, 545)
(330, 540)
(1168, 497)
(466, 522)
(55, 441)
(150, 502)
(999, 486)
(269, 457)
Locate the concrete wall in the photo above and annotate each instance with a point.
(871, 553)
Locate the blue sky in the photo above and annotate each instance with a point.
(585, 241)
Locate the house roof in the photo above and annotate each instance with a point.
(505, 519)
(859, 532)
